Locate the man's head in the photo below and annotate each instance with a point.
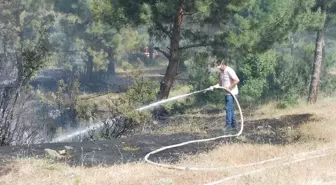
(222, 65)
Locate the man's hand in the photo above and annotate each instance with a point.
(214, 87)
(227, 89)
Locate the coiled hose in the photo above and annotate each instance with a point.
(197, 141)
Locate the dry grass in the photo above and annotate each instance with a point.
(332, 72)
(99, 99)
(322, 108)
(310, 172)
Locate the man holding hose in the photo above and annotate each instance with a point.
(228, 79)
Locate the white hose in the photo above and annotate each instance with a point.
(197, 141)
(266, 168)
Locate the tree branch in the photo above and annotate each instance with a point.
(163, 52)
(163, 29)
(195, 45)
(186, 14)
(213, 43)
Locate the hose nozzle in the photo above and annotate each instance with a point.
(216, 86)
(211, 88)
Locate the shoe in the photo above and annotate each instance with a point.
(227, 130)
(234, 130)
(230, 130)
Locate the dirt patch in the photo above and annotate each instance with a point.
(132, 149)
(282, 130)
(5, 168)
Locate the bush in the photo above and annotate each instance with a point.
(122, 115)
(291, 77)
(253, 73)
(289, 99)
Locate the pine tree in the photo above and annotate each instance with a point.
(186, 24)
(180, 24)
(102, 44)
(327, 10)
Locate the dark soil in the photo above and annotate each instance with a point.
(134, 148)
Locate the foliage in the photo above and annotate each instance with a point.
(142, 92)
(178, 25)
(64, 101)
(281, 74)
(253, 73)
(290, 79)
(328, 82)
(269, 44)
(200, 78)
(24, 48)
(80, 37)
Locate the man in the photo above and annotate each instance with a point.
(229, 80)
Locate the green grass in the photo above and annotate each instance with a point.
(99, 97)
(179, 90)
(131, 149)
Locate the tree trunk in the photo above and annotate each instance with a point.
(151, 47)
(317, 65)
(151, 52)
(10, 92)
(171, 71)
(89, 67)
(292, 45)
(111, 65)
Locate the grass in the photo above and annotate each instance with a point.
(103, 101)
(333, 72)
(271, 110)
(98, 97)
(147, 70)
(312, 172)
(179, 90)
(129, 148)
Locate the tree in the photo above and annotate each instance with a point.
(179, 24)
(183, 25)
(325, 8)
(24, 39)
(101, 45)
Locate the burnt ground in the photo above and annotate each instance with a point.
(133, 149)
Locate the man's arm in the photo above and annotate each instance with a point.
(219, 80)
(233, 84)
(235, 79)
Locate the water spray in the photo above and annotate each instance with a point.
(100, 124)
(78, 132)
(152, 105)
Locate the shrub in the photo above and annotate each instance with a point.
(253, 73)
(122, 114)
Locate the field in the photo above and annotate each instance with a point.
(297, 144)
